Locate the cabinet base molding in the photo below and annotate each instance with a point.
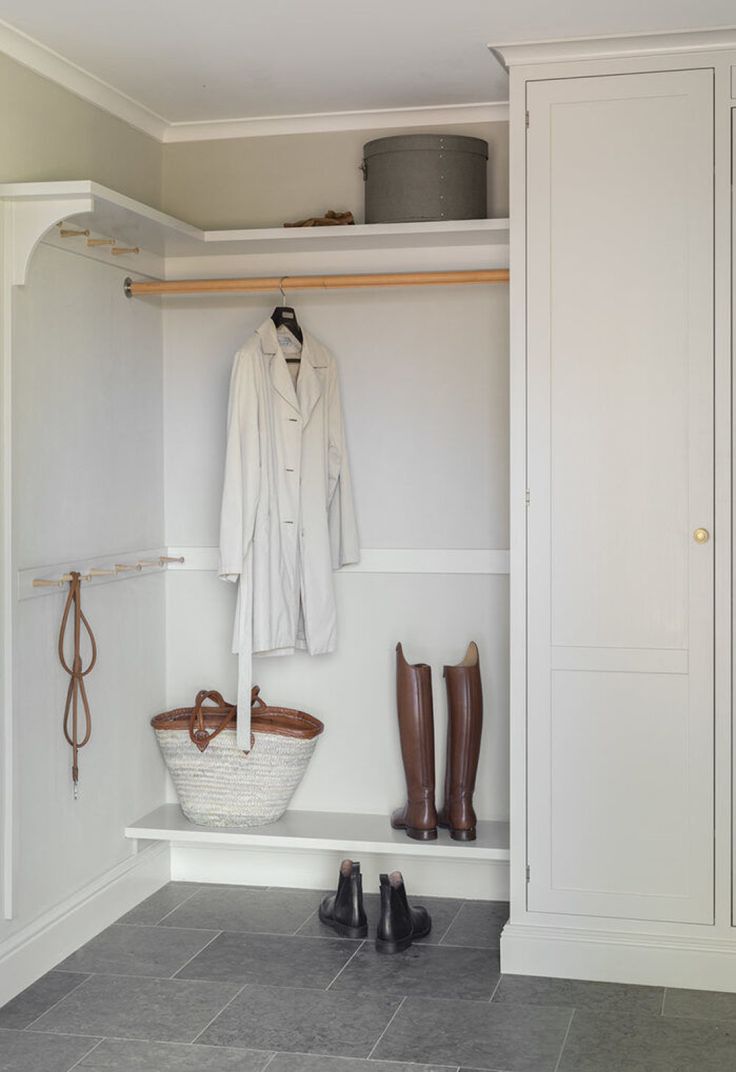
(34, 949)
(696, 962)
(483, 880)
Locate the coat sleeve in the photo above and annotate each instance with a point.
(344, 542)
(241, 487)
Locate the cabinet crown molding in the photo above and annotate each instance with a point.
(611, 48)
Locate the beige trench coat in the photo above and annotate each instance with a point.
(287, 507)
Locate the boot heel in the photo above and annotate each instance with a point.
(390, 948)
(422, 835)
(463, 835)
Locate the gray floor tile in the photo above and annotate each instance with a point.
(306, 1062)
(700, 1005)
(478, 923)
(516, 1038)
(160, 1010)
(271, 960)
(432, 970)
(160, 903)
(37, 998)
(574, 993)
(133, 950)
(24, 1051)
(605, 1043)
(122, 1055)
(442, 910)
(236, 909)
(302, 1021)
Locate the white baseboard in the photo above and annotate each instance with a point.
(695, 962)
(486, 880)
(40, 945)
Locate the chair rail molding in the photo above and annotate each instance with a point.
(378, 560)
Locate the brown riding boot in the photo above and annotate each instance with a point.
(464, 725)
(416, 731)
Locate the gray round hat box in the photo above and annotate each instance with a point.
(414, 178)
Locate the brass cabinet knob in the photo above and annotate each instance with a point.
(701, 535)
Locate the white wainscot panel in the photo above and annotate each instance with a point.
(65, 843)
(619, 812)
(357, 765)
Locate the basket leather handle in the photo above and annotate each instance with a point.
(200, 736)
(198, 733)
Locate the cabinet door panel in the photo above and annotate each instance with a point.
(620, 469)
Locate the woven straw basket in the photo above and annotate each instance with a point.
(219, 784)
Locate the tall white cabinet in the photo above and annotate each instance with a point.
(622, 828)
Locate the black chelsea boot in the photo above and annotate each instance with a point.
(399, 924)
(343, 910)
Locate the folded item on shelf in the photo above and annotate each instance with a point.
(330, 219)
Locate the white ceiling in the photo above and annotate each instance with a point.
(188, 61)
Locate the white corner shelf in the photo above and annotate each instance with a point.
(169, 245)
(341, 832)
(358, 237)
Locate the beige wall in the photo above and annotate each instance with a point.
(262, 182)
(46, 134)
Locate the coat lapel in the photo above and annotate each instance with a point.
(279, 370)
(309, 382)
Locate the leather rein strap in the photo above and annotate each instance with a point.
(77, 675)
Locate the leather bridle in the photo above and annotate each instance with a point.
(77, 675)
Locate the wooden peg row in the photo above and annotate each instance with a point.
(40, 582)
(120, 567)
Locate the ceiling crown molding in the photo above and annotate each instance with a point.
(49, 64)
(327, 122)
(612, 48)
(53, 66)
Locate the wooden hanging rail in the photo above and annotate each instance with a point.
(135, 289)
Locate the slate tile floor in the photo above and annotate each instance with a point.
(236, 979)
